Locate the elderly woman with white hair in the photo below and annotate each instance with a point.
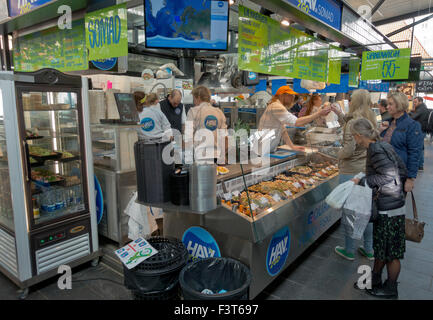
(385, 174)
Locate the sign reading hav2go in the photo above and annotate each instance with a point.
(200, 244)
(278, 251)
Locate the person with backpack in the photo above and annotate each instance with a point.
(421, 114)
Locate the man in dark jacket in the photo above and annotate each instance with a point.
(384, 114)
(174, 110)
(421, 115)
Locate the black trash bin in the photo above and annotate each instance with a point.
(215, 274)
(157, 278)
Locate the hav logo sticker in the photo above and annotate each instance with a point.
(200, 244)
(211, 123)
(135, 252)
(252, 76)
(278, 251)
(148, 124)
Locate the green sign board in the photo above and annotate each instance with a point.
(385, 64)
(267, 47)
(354, 64)
(64, 50)
(107, 33)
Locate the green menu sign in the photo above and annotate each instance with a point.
(107, 33)
(267, 47)
(354, 64)
(386, 64)
(64, 50)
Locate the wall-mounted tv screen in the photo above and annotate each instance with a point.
(187, 24)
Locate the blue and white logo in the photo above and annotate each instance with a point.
(278, 251)
(105, 64)
(220, 4)
(148, 124)
(99, 200)
(252, 76)
(211, 123)
(200, 244)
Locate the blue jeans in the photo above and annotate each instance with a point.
(421, 156)
(368, 233)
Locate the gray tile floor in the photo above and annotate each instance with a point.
(318, 274)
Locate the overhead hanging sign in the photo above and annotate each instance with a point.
(107, 33)
(19, 7)
(425, 86)
(328, 11)
(354, 64)
(266, 47)
(64, 50)
(414, 68)
(385, 64)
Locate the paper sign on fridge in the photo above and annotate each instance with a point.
(135, 252)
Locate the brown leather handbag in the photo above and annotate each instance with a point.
(414, 229)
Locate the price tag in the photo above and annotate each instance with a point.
(276, 197)
(303, 181)
(297, 185)
(263, 200)
(312, 181)
(254, 206)
(227, 196)
(288, 193)
(236, 193)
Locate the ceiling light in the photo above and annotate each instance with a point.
(284, 22)
(232, 2)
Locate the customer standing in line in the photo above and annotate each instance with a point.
(385, 174)
(351, 161)
(404, 134)
(421, 114)
(384, 114)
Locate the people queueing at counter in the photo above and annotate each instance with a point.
(421, 114)
(205, 116)
(276, 117)
(155, 126)
(174, 110)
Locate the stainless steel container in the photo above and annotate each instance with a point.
(202, 187)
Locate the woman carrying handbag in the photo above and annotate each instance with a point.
(386, 175)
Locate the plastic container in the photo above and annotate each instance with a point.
(202, 187)
(215, 274)
(158, 275)
(179, 189)
(153, 175)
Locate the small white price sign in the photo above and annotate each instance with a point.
(276, 197)
(297, 185)
(288, 193)
(263, 200)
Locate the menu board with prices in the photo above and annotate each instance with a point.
(267, 47)
(64, 50)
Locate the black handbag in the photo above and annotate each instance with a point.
(374, 208)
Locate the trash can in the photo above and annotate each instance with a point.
(157, 278)
(215, 274)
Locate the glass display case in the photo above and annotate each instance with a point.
(47, 204)
(52, 133)
(113, 146)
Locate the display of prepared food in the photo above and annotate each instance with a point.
(301, 169)
(68, 156)
(71, 181)
(41, 154)
(222, 170)
(265, 194)
(46, 176)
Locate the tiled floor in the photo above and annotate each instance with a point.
(318, 274)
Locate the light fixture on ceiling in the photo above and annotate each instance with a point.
(232, 2)
(285, 23)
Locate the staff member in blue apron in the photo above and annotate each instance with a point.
(205, 116)
(174, 110)
(155, 126)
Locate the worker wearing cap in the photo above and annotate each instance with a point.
(276, 117)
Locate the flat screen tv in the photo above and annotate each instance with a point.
(187, 24)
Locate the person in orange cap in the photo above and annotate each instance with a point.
(276, 117)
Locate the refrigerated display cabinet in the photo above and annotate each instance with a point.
(47, 207)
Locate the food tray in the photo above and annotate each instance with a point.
(34, 138)
(45, 158)
(48, 184)
(76, 157)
